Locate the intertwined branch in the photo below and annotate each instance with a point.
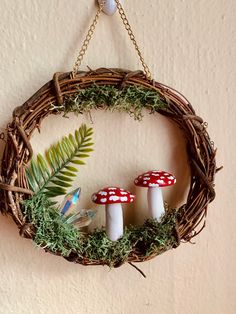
(28, 117)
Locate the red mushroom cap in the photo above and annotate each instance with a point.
(155, 178)
(112, 195)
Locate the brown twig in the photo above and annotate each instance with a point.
(28, 117)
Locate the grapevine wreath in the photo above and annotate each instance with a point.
(26, 195)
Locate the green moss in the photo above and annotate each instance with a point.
(55, 234)
(98, 247)
(131, 99)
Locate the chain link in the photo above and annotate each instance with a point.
(87, 39)
(91, 32)
(131, 35)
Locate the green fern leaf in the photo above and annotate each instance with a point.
(68, 173)
(64, 178)
(54, 173)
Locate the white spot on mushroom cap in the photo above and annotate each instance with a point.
(114, 198)
(110, 193)
(103, 200)
(112, 188)
(169, 182)
(144, 182)
(124, 198)
(153, 184)
(102, 193)
(171, 177)
(123, 193)
(160, 181)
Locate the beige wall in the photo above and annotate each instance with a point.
(190, 45)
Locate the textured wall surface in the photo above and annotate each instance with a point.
(190, 45)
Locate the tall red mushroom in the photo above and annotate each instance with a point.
(112, 198)
(155, 180)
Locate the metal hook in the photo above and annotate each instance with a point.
(109, 7)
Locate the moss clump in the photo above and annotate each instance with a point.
(155, 237)
(52, 231)
(131, 99)
(98, 247)
(55, 234)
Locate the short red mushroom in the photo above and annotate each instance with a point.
(112, 198)
(154, 180)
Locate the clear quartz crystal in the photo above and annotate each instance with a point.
(69, 208)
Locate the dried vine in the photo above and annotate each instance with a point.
(18, 151)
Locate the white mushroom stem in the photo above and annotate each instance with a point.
(155, 202)
(114, 221)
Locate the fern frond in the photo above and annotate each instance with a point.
(54, 173)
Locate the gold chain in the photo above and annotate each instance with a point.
(87, 39)
(131, 35)
(91, 32)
